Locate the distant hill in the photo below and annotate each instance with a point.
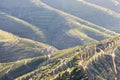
(103, 13)
(49, 25)
(110, 4)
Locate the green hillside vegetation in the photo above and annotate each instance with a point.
(33, 65)
(12, 70)
(5, 37)
(69, 66)
(62, 64)
(14, 48)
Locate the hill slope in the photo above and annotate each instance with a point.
(49, 25)
(110, 4)
(14, 48)
(90, 12)
(97, 61)
(91, 62)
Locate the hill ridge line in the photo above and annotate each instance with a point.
(107, 10)
(67, 15)
(37, 31)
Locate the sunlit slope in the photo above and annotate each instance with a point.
(89, 62)
(13, 48)
(87, 12)
(12, 70)
(5, 37)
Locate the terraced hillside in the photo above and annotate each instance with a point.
(99, 61)
(49, 25)
(14, 48)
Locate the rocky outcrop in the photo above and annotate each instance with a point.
(96, 62)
